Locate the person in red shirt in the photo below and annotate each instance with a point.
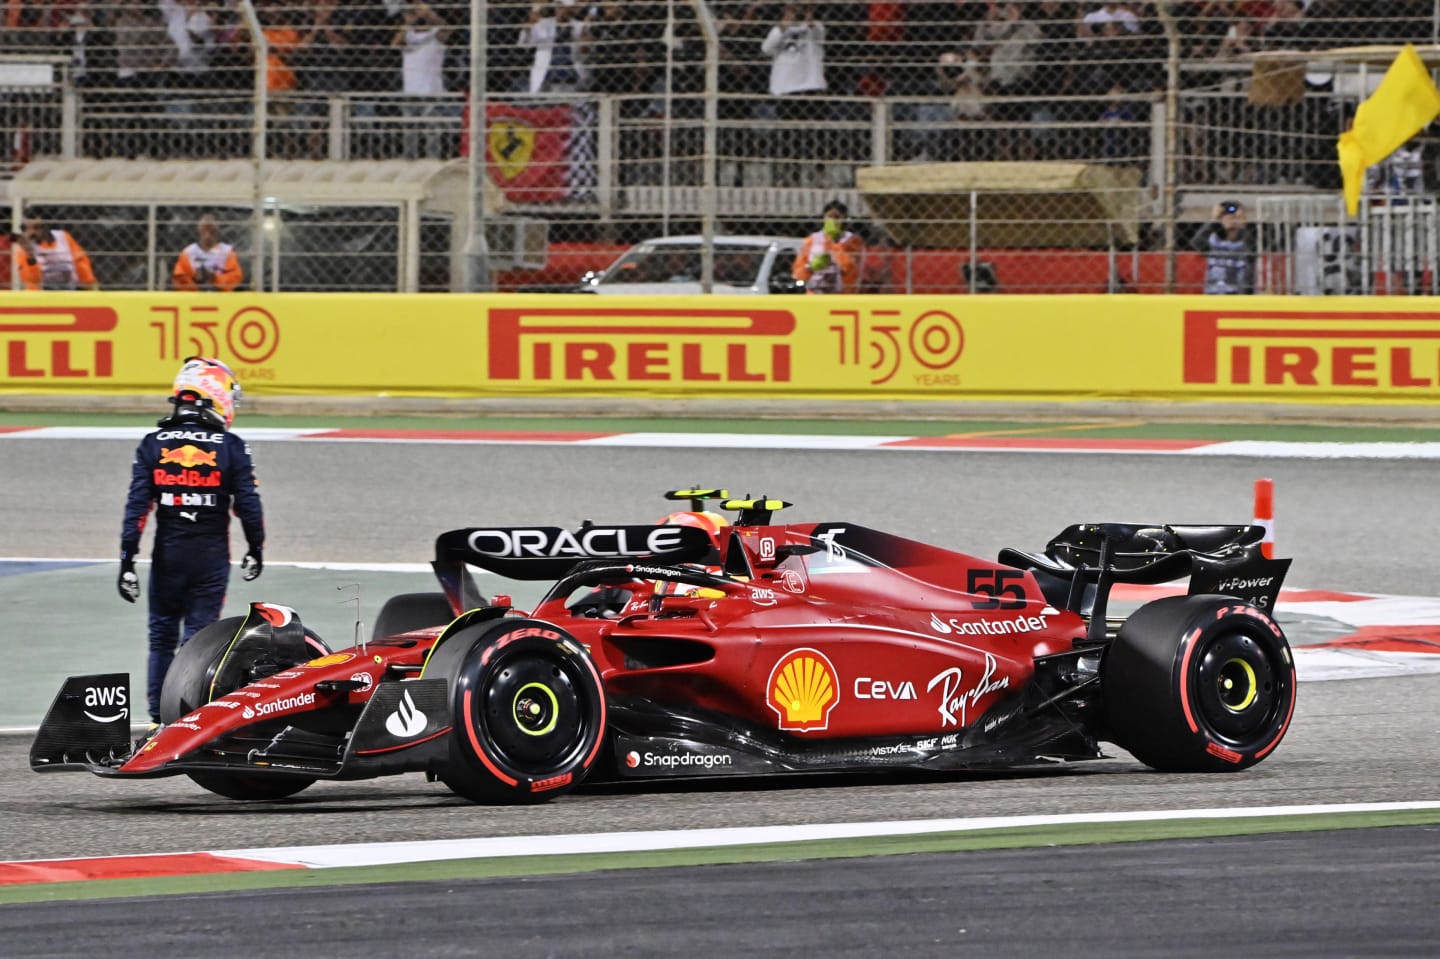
(829, 259)
(207, 264)
(49, 259)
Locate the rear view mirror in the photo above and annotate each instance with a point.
(785, 283)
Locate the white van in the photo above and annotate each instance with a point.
(745, 265)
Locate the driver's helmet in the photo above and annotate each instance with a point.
(208, 387)
(711, 523)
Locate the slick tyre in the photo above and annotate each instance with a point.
(190, 684)
(1198, 684)
(528, 710)
(408, 611)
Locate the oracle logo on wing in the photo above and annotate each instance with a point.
(627, 346)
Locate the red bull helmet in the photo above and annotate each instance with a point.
(711, 523)
(209, 386)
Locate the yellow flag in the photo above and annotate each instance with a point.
(1400, 107)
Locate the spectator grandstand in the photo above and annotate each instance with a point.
(1163, 107)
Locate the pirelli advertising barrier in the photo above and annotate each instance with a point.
(882, 347)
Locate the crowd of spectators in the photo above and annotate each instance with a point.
(972, 79)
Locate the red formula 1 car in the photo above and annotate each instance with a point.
(765, 648)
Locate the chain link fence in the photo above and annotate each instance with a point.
(1029, 146)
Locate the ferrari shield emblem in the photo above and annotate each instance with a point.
(511, 145)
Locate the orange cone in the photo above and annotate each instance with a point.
(1265, 515)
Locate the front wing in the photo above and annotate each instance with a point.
(76, 735)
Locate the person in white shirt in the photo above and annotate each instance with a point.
(560, 34)
(191, 30)
(796, 48)
(1112, 12)
(421, 38)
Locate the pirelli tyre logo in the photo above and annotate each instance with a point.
(1313, 350)
(623, 346)
(58, 342)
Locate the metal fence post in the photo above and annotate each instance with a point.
(258, 127)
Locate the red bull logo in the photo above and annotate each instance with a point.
(188, 456)
(186, 478)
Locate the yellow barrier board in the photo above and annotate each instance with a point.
(1286, 349)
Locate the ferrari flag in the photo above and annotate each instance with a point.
(528, 151)
(1400, 107)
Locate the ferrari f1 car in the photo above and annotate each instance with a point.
(763, 648)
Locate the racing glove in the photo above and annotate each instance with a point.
(128, 584)
(252, 565)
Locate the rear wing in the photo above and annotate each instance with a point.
(1082, 563)
(549, 552)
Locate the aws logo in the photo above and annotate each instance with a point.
(803, 690)
(112, 700)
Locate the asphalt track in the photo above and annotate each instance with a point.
(1355, 893)
(1351, 525)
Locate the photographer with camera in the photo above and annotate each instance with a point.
(829, 258)
(49, 259)
(796, 48)
(1229, 251)
(560, 35)
(207, 264)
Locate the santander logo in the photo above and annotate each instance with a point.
(407, 720)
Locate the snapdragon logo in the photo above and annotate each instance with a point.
(650, 760)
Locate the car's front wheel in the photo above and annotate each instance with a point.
(217, 660)
(528, 709)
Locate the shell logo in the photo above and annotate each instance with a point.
(802, 690)
(334, 659)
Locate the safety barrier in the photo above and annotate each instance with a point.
(1273, 349)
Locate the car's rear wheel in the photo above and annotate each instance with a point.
(408, 611)
(195, 678)
(528, 709)
(1199, 684)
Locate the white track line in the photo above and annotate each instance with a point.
(437, 850)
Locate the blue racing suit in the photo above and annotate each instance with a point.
(189, 471)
